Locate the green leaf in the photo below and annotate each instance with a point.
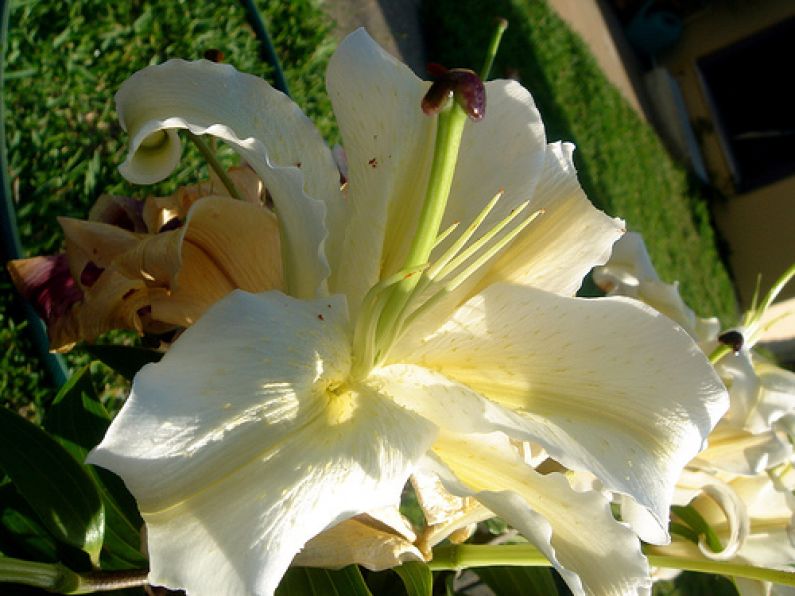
(689, 583)
(308, 581)
(21, 533)
(125, 360)
(56, 487)
(417, 578)
(519, 581)
(76, 418)
(496, 526)
(684, 531)
(78, 421)
(699, 525)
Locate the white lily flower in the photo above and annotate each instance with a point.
(750, 516)
(630, 272)
(269, 420)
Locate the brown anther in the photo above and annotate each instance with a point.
(733, 338)
(462, 84)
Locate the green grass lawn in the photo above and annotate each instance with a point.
(622, 164)
(65, 61)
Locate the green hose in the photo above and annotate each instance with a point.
(11, 244)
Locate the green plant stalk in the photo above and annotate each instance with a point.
(213, 162)
(460, 556)
(10, 242)
(719, 353)
(49, 576)
(267, 50)
(54, 577)
(449, 130)
(494, 44)
(777, 576)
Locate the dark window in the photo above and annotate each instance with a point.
(751, 89)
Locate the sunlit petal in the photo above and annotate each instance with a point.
(570, 238)
(263, 125)
(592, 380)
(239, 450)
(388, 145)
(362, 540)
(575, 530)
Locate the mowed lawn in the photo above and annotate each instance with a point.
(65, 61)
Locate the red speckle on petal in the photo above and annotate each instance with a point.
(373, 163)
(321, 317)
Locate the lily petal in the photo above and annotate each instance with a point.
(567, 241)
(737, 451)
(239, 449)
(594, 553)
(607, 386)
(388, 144)
(362, 540)
(225, 244)
(276, 139)
(630, 272)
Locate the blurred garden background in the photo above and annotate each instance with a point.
(64, 61)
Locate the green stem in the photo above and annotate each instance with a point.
(219, 170)
(719, 353)
(449, 130)
(777, 576)
(54, 577)
(502, 25)
(267, 50)
(460, 556)
(10, 242)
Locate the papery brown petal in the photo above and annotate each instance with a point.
(112, 302)
(47, 284)
(356, 541)
(124, 212)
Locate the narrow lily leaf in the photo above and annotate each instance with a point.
(125, 360)
(684, 531)
(521, 581)
(78, 421)
(308, 581)
(21, 533)
(417, 578)
(76, 417)
(699, 525)
(56, 487)
(704, 584)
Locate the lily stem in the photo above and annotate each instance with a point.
(449, 130)
(460, 556)
(213, 162)
(494, 44)
(55, 577)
